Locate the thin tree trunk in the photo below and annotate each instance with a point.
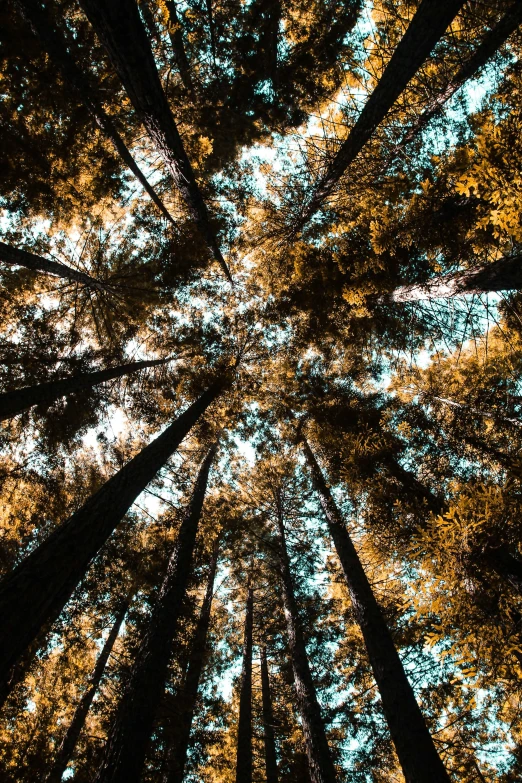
(466, 408)
(187, 699)
(130, 734)
(487, 48)
(14, 402)
(268, 722)
(317, 750)
(178, 47)
(36, 591)
(212, 30)
(502, 275)
(70, 739)
(428, 25)
(419, 759)
(244, 731)
(57, 47)
(17, 257)
(119, 27)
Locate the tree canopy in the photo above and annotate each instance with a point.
(261, 391)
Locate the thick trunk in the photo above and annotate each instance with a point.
(187, 698)
(14, 402)
(268, 722)
(318, 753)
(426, 28)
(502, 275)
(36, 591)
(68, 744)
(417, 754)
(119, 27)
(490, 44)
(57, 47)
(17, 257)
(244, 730)
(130, 734)
(178, 47)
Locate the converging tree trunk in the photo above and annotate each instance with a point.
(130, 734)
(119, 27)
(188, 694)
(70, 739)
(14, 402)
(428, 25)
(502, 275)
(487, 48)
(244, 730)
(17, 257)
(58, 48)
(418, 757)
(268, 722)
(36, 591)
(175, 31)
(320, 762)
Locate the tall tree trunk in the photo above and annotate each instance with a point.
(57, 47)
(70, 739)
(244, 730)
(212, 30)
(502, 275)
(130, 734)
(319, 759)
(419, 759)
(268, 722)
(14, 402)
(175, 31)
(187, 698)
(428, 25)
(36, 591)
(487, 48)
(119, 27)
(18, 257)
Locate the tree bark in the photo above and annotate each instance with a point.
(429, 24)
(70, 739)
(14, 402)
(318, 753)
(187, 698)
(419, 759)
(59, 50)
(130, 734)
(119, 28)
(18, 257)
(268, 722)
(178, 47)
(36, 591)
(502, 275)
(244, 731)
(487, 48)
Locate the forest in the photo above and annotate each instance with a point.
(261, 391)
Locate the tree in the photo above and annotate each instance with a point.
(14, 402)
(36, 591)
(56, 46)
(120, 29)
(426, 28)
(414, 745)
(268, 722)
(244, 732)
(129, 737)
(186, 699)
(66, 749)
